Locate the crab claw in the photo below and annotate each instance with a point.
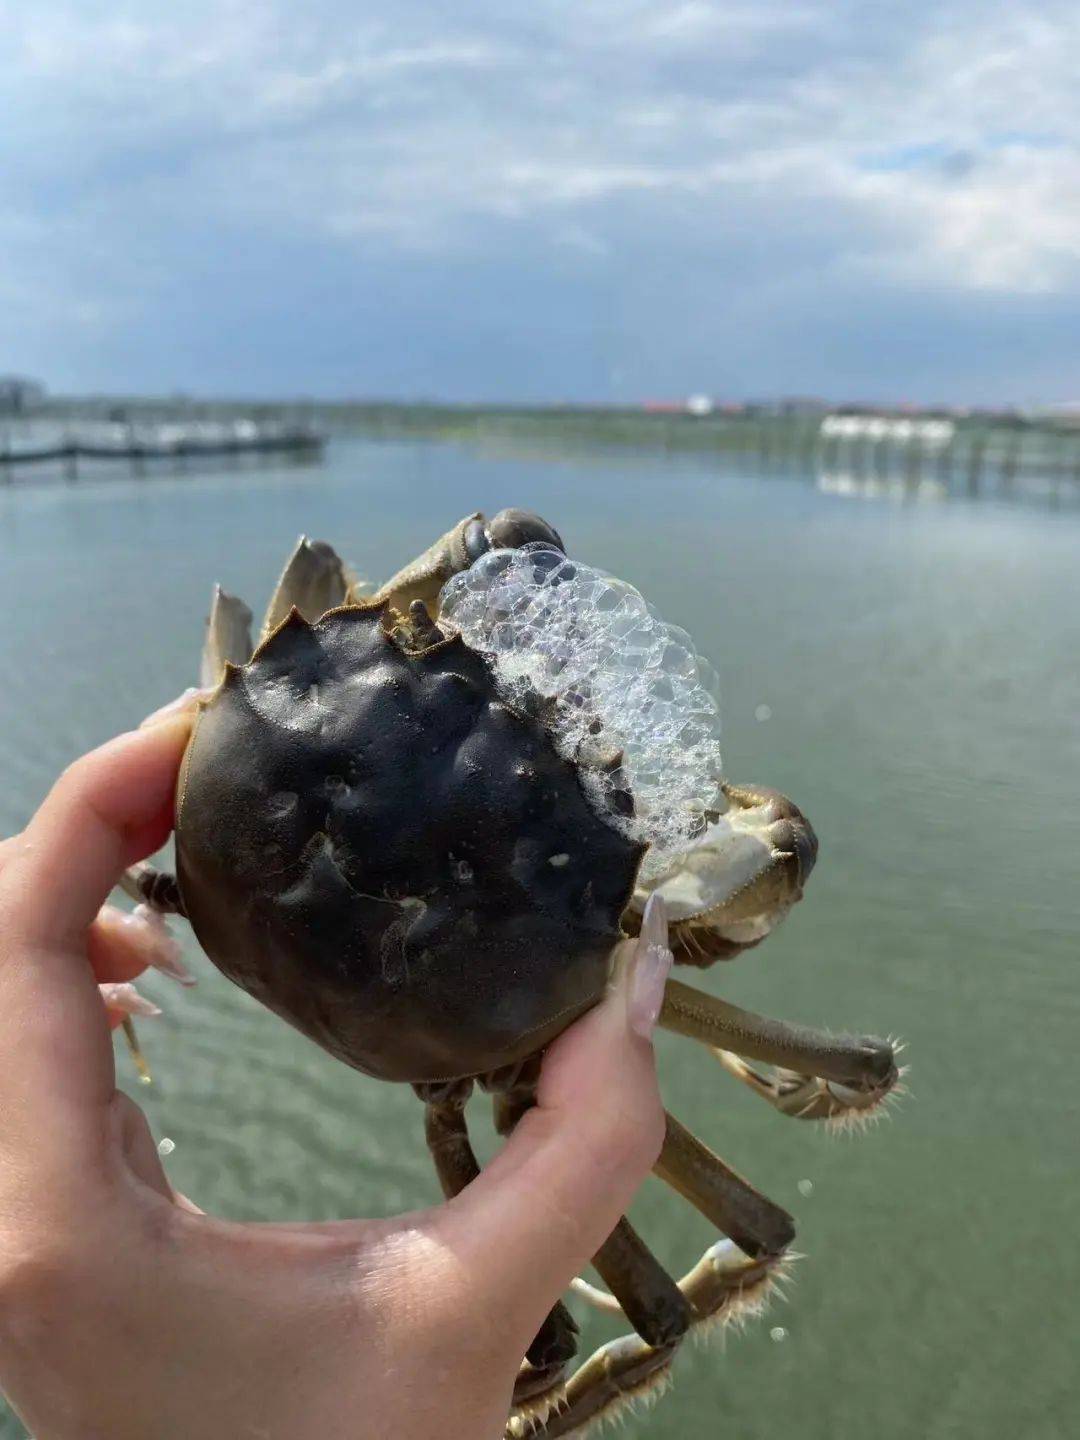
(739, 878)
(455, 551)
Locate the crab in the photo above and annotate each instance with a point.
(390, 850)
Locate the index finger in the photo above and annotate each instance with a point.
(109, 809)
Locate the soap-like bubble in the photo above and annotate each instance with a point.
(555, 629)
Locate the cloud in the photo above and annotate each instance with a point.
(746, 152)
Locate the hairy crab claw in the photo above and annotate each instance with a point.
(417, 821)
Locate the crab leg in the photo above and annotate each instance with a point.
(865, 1061)
(447, 1134)
(647, 1295)
(612, 1376)
(456, 1166)
(724, 1282)
(642, 1288)
(424, 577)
(509, 1107)
(722, 1285)
(819, 1076)
(734, 1275)
(756, 1225)
(136, 1052)
(537, 1386)
(808, 1097)
(153, 887)
(660, 1311)
(654, 1305)
(158, 890)
(640, 1285)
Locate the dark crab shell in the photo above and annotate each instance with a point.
(374, 845)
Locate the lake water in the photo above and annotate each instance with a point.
(907, 673)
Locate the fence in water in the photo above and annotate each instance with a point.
(44, 446)
(846, 451)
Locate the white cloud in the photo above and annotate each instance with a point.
(923, 146)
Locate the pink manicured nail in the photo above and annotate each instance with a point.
(157, 943)
(183, 703)
(123, 997)
(650, 966)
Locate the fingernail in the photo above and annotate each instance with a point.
(158, 944)
(180, 706)
(123, 997)
(650, 965)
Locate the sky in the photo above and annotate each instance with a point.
(584, 200)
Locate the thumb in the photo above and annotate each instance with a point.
(537, 1214)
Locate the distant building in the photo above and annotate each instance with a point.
(17, 394)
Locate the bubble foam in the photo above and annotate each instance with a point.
(624, 680)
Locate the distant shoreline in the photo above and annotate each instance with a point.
(965, 451)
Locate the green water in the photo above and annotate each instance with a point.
(920, 666)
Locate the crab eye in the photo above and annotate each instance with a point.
(476, 542)
(514, 528)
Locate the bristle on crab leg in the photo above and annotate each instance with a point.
(539, 1393)
(613, 1378)
(818, 1075)
(537, 1383)
(809, 1097)
(724, 1286)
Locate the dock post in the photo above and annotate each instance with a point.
(1011, 459)
(879, 456)
(783, 454)
(860, 455)
(809, 444)
(815, 459)
(772, 442)
(138, 466)
(914, 459)
(1064, 455)
(944, 467)
(975, 463)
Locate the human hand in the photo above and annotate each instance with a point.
(127, 1313)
